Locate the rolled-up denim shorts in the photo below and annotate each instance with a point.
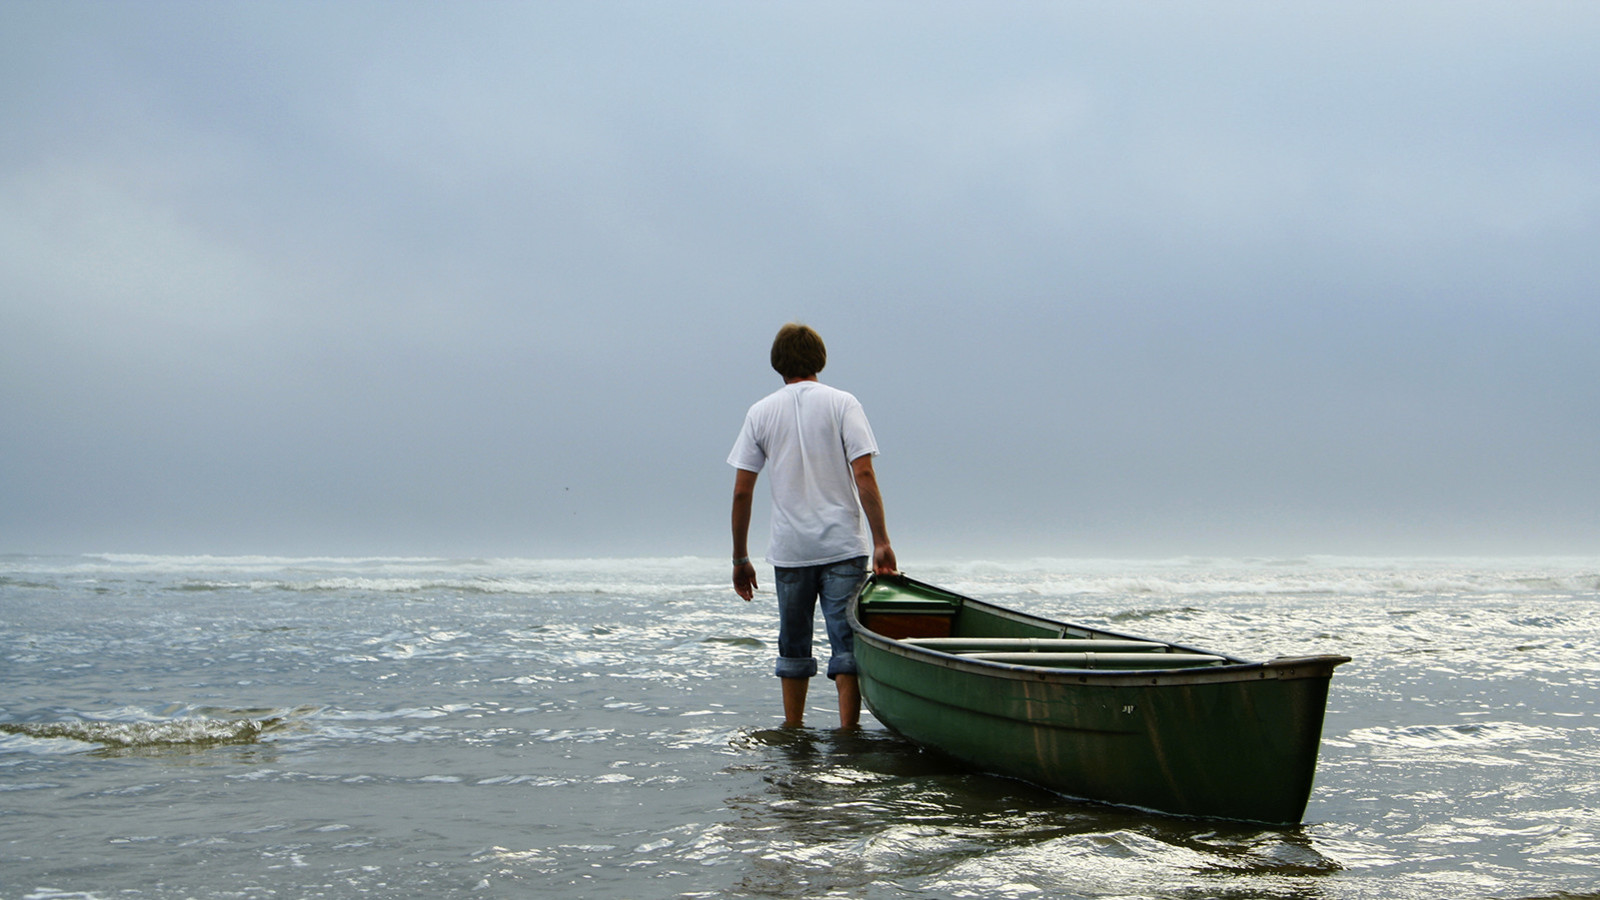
(799, 590)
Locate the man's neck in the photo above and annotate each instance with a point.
(798, 380)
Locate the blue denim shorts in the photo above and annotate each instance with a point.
(798, 592)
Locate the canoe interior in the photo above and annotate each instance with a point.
(904, 609)
(929, 617)
(1091, 713)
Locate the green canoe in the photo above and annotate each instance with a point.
(1090, 713)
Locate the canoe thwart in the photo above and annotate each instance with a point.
(1102, 660)
(1045, 645)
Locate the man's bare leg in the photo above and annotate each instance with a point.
(849, 700)
(794, 701)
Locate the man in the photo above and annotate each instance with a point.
(827, 515)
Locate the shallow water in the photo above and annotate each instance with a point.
(263, 727)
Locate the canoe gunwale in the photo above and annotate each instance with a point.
(1233, 669)
(1288, 668)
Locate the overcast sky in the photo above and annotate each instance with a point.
(499, 279)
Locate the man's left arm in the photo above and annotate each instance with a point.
(883, 561)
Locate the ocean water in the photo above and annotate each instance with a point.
(230, 727)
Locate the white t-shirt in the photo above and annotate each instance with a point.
(807, 434)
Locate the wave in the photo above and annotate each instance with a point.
(168, 734)
(1327, 576)
(1431, 737)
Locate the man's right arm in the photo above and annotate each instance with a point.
(744, 492)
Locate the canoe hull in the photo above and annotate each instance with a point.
(1237, 740)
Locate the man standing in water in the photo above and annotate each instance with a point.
(827, 515)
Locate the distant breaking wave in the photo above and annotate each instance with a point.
(700, 577)
(379, 575)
